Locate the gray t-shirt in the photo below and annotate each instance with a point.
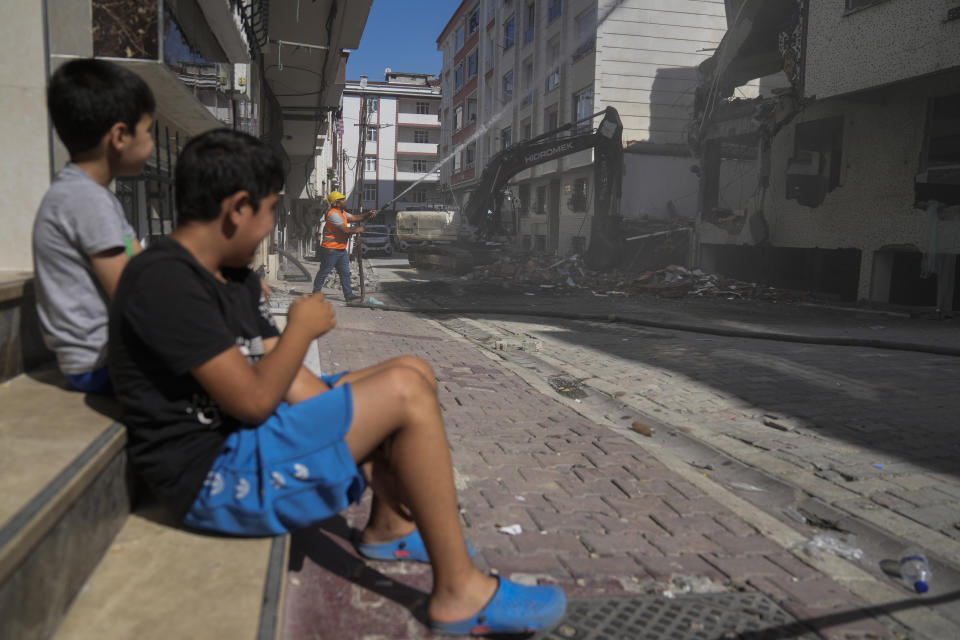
(76, 219)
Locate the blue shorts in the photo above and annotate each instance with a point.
(92, 381)
(288, 473)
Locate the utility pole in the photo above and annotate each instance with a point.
(358, 185)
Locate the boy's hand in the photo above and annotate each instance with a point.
(312, 313)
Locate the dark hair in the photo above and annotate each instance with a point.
(217, 164)
(87, 97)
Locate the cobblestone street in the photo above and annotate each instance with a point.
(757, 447)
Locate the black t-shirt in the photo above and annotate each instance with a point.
(169, 315)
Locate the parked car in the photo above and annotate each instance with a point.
(376, 238)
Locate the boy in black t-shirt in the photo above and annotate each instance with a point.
(237, 437)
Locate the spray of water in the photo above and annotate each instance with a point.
(495, 118)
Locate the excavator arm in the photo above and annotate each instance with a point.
(482, 209)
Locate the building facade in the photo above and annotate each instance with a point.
(854, 170)
(396, 164)
(515, 69)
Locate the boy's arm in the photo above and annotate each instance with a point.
(251, 393)
(109, 264)
(305, 384)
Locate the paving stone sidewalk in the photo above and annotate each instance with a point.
(600, 514)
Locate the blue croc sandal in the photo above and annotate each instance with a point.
(514, 608)
(409, 547)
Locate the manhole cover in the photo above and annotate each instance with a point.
(567, 386)
(714, 616)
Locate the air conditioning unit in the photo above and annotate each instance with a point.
(808, 176)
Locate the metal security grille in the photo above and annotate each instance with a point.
(715, 616)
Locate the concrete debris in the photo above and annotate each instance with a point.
(569, 275)
(642, 428)
(511, 529)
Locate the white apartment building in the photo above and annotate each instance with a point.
(513, 69)
(399, 156)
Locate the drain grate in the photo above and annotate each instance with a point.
(714, 616)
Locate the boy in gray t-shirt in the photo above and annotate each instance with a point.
(103, 113)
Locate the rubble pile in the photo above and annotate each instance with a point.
(569, 275)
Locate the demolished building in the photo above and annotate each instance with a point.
(843, 177)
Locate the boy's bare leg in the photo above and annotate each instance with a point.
(399, 402)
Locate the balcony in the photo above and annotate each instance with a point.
(418, 119)
(419, 148)
(414, 176)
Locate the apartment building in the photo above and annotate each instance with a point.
(854, 166)
(398, 158)
(513, 69)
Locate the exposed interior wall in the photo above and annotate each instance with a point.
(873, 206)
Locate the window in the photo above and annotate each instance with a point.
(489, 56)
(370, 192)
(458, 118)
(550, 118)
(583, 108)
(423, 108)
(585, 29)
(943, 132)
(421, 166)
(470, 155)
(541, 199)
(419, 196)
(586, 24)
(508, 34)
(524, 198)
(526, 78)
(530, 17)
(471, 110)
(371, 134)
(578, 197)
(553, 55)
(554, 8)
(456, 163)
(506, 138)
(458, 77)
(527, 129)
(508, 86)
(459, 44)
(473, 21)
(472, 64)
(369, 164)
(421, 136)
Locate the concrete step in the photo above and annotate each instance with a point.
(65, 495)
(158, 582)
(66, 529)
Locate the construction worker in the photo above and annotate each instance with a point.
(333, 247)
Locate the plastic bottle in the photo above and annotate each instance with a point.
(915, 570)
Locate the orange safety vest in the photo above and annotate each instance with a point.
(333, 238)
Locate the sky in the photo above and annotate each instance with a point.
(402, 35)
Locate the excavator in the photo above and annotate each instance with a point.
(457, 240)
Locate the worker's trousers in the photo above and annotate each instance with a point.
(334, 259)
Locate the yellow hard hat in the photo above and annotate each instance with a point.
(334, 196)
